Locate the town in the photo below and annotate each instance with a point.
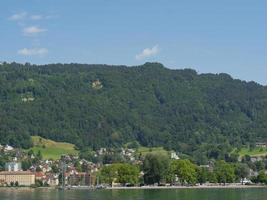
(126, 167)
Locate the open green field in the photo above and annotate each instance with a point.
(51, 149)
(257, 151)
(145, 150)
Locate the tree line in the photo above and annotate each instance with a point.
(204, 115)
(159, 169)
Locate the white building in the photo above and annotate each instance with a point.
(8, 148)
(13, 166)
(174, 156)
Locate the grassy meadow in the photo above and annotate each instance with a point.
(257, 151)
(51, 149)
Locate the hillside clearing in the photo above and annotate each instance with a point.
(51, 149)
(257, 151)
(145, 150)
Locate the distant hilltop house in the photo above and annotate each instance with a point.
(261, 144)
(27, 99)
(97, 84)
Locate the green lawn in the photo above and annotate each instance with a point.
(145, 150)
(51, 149)
(257, 151)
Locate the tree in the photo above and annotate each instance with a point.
(225, 172)
(155, 168)
(246, 158)
(241, 171)
(55, 168)
(260, 165)
(262, 177)
(30, 152)
(16, 184)
(3, 161)
(39, 155)
(233, 157)
(112, 158)
(120, 173)
(38, 169)
(185, 170)
(26, 164)
(212, 178)
(202, 175)
(108, 174)
(78, 166)
(133, 145)
(127, 174)
(38, 183)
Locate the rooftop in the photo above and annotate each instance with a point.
(16, 173)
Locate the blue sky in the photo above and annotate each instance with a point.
(210, 36)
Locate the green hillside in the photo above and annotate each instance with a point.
(51, 149)
(257, 151)
(102, 106)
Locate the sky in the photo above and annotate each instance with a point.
(226, 36)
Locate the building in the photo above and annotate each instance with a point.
(13, 166)
(81, 179)
(174, 156)
(256, 158)
(24, 178)
(261, 144)
(40, 176)
(52, 179)
(8, 148)
(97, 84)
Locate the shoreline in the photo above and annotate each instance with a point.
(189, 187)
(143, 187)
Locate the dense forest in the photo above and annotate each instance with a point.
(100, 105)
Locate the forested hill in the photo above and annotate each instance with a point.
(101, 105)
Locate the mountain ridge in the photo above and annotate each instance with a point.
(101, 105)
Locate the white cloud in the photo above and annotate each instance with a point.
(27, 16)
(18, 16)
(32, 30)
(33, 52)
(148, 52)
(37, 17)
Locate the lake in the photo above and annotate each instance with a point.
(134, 194)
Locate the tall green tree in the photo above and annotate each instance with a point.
(185, 170)
(127, 174)
(262, 177)
(241, 171)
(120, 173)
(155, 168)
(225, 172)
(202, 175)
(108, 174)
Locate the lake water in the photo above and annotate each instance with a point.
(138, 194)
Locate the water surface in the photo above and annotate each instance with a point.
(138, 194)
